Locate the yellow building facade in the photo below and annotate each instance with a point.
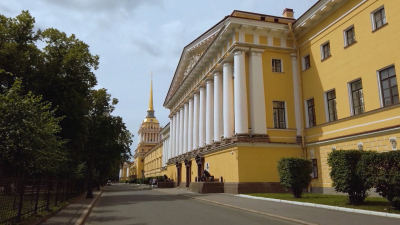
(255, 88)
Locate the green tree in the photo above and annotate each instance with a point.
(28, 140)
(294, 174)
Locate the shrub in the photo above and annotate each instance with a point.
(294, 174)
(384, 171)
(346, 175)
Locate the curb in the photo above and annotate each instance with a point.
(244, 209)
(87, 211)
(360, 211)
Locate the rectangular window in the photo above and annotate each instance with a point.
(279, 115)
(357, 97)
(311, 113)
(379, 18)
(390, 93)
(314, 173)
(331, 100)
(306, 62)
(276, 65)
(350, 36)
(326, 50)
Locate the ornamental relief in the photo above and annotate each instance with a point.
(192, 61)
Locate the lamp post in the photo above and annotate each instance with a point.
(89, 193)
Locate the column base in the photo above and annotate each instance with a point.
(251, 138)
(299, 139)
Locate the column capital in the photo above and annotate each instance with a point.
(293, 55)
(227, 63)
(240, 50)
(256, 51)
(209, 81)
(217, 73)
(186, 103)
(202, 87)
(190, 99)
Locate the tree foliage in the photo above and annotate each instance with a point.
(383, 170)
(28, 134)
(61, 71)
(346, 175)
(294, 174)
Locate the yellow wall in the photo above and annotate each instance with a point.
(259, 164)
(223, 163)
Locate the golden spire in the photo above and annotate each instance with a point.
(151, 93)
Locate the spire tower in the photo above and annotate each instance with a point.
(150, 111)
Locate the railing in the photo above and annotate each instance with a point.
(22, 198)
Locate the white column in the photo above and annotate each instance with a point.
(240, 92)
(218, 119)
(181, 129)
(297, 94)
(196, 119)
(171, 136)
(202, 120)
(185, 128)
(190, 126)
(228, 100)
(258, 121)
(210, 112)
(177, 138)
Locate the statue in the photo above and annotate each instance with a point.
(207, 175)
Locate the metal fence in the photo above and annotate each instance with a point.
(22, 198)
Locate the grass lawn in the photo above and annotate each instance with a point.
(371, 203)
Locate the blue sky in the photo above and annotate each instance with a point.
(134, 37)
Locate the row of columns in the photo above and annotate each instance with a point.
(220, 108)
(149, 137)
(166, 151)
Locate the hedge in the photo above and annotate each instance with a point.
(294, 174)
(348, 176)
(383, 170)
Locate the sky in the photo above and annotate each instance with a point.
(134, 37)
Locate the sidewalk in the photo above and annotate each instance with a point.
(76, 212)
(295, 213)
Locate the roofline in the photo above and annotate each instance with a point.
(279, 17)
(306, 11)
(180, 59)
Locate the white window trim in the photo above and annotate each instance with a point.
(379, 83)
(345, 35)
(326, 104)
(306, 109)
(351, 97)
(303, 62)
(286, 116)
(281, 65)
(322, 50)
(373, 19)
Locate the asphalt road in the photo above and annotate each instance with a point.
(127, 204)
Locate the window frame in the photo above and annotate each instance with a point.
(346, 37)
(304, 62)
(327, 114)
(308, 114)
(373, 22)
(351, 99)
(314, 165)
(381, 97)
(285, 115)
(272, 65)
(323, 51)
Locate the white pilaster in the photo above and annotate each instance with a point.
(227, 104)
(258, 121)
(190, 126)
(210, 112)
(202, 120)
(185, 128)
(196, 119)
(297, 94)
(181, 129)
(171, 136)
(218, 116)
(240, 92)
(177, 138)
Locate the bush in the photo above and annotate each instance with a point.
(294, 173)
(384, 171)
(347, 176)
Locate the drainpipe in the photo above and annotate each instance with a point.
(301, 91)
